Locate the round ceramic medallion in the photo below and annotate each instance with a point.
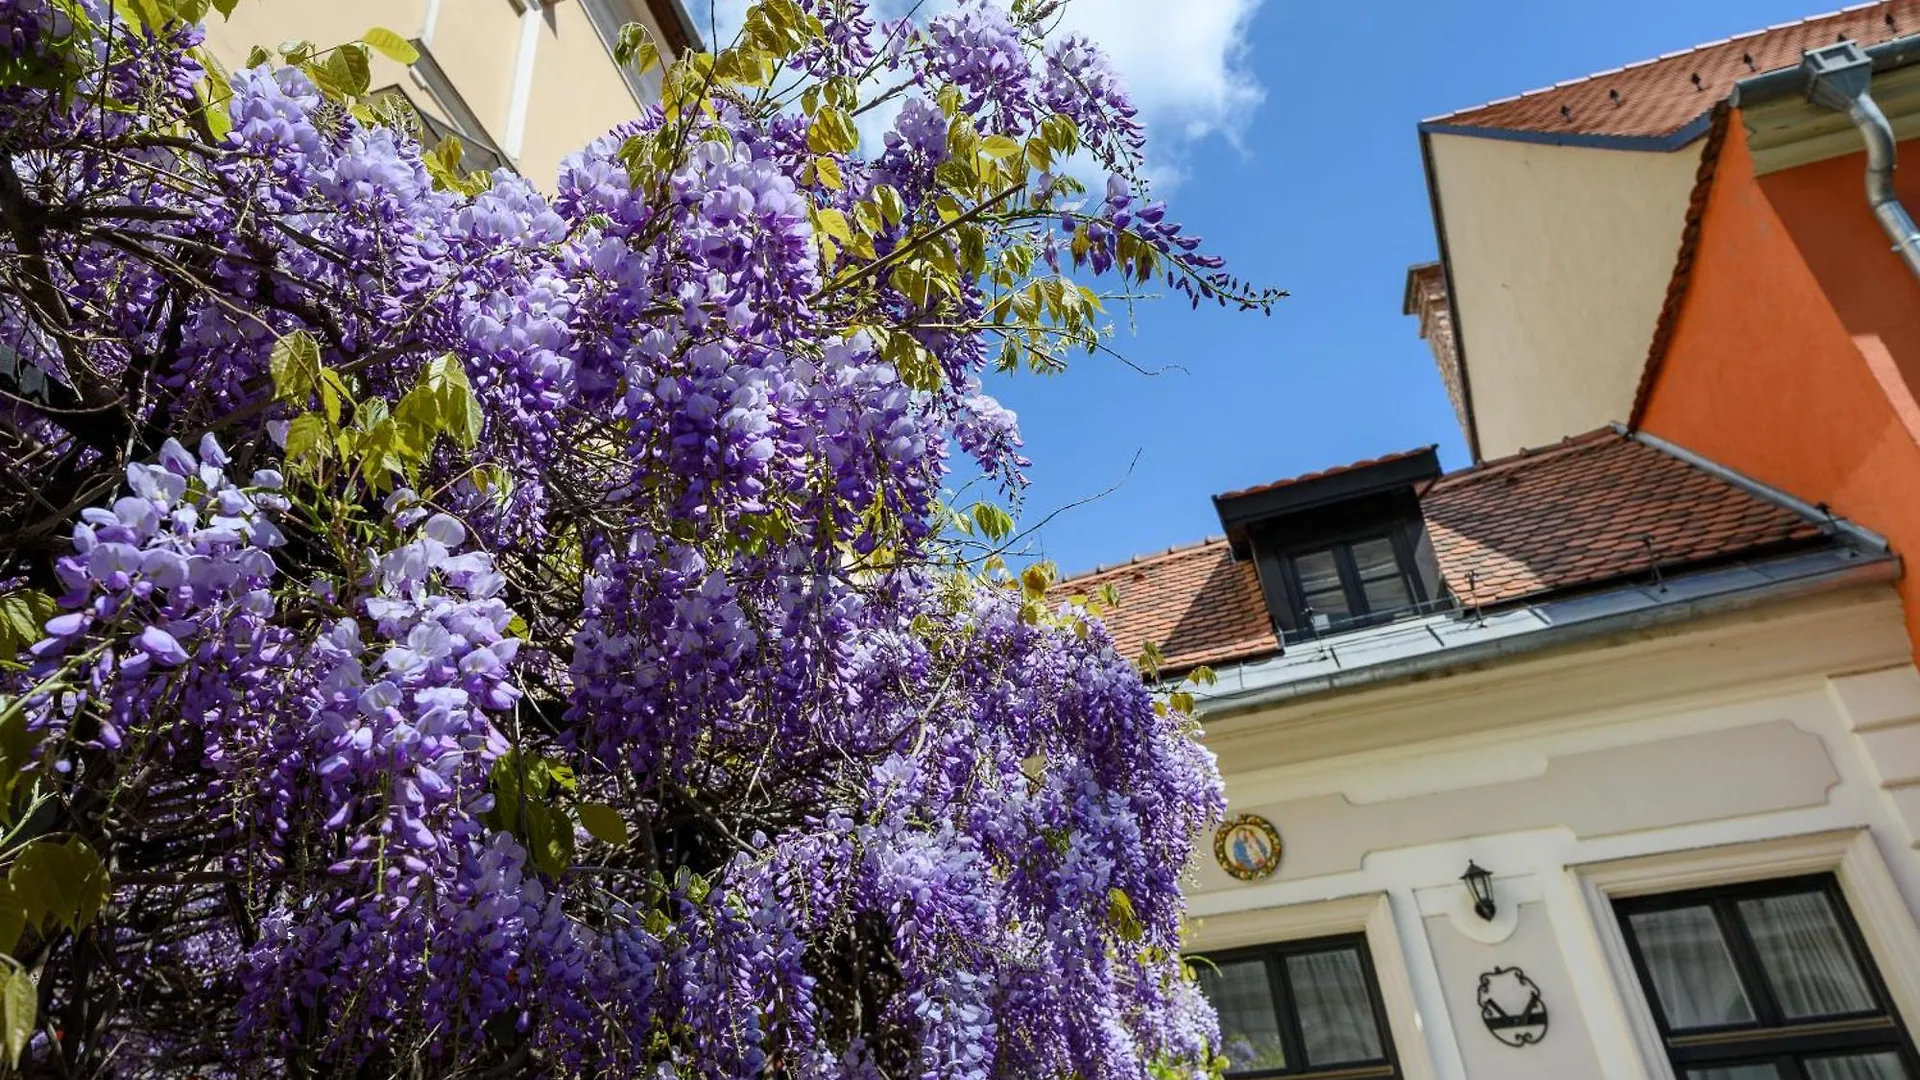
(1248, 847)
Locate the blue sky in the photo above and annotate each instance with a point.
(1305, 173)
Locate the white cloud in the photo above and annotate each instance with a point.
(1187, 63)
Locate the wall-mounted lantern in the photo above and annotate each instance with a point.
(1479, 882)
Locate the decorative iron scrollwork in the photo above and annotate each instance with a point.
(1511, 1007)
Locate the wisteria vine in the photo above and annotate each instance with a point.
(465, 632)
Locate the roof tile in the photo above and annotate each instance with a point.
(1660, 97)
(1590, 510)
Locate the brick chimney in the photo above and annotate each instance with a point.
(1427, 298)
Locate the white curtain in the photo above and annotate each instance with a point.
(1249, 1027)
(1336, 1016)
(1881, 1066)
(1692, 973)
(1735, 1072)
(1807, 960)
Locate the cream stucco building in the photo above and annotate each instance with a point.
(522, 83)
(1650, 697)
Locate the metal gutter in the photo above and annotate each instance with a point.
(1861, 536)
(1872, 570)
(1796, 81)
(1840, 77)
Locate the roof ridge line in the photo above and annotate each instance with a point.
(1331, 470)
(1576, 81)
(1524, 456)
(1141, 559)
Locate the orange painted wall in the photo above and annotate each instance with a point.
(1786, 361)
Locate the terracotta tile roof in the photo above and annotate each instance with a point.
(1661, 97)
(1324, 473)
(1195, 602)
(1590, 510)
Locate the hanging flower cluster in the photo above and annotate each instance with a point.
(588, 677)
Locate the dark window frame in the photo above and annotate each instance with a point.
(1771, 1038)
(1341, 544)
(1292, 1039)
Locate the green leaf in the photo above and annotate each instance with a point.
(390, 45)
(829, 172)
(348, 69)
(333, 391)
(225, 7)
(634, 47)
(88, 881)
(1035, 580)
(218, 93)
(520, 787)
(13, 921)
(309, 436)
(994, 523)
(23, 619)
(999, 147)
(257, 56)
(1121, 917)
(19, 1009)
(833, 132)
(1039, 155)
(148, 13)
(294, 364)
(604, 823)
(58, 882)
(834, 224)
(297, 50)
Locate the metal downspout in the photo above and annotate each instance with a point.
(1840, 77)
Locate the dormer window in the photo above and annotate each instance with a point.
(1346, 583)
(1341, 549)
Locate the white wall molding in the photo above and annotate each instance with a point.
(515, 134)
(1799, 642)
(1851, 855)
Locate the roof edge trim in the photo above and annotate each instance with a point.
(1472, 426)
(1872, 570)
(1825, 518)
(1668, 143)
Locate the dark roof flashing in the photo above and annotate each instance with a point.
(1242, 510)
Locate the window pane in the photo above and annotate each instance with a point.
(1320, 586)
(1336, 1016)
(1692, 973)
(1808, 962)
(1735, 1072)
(1249, 1028)
(1387, 594)
(1374, 558)
(1882, 1066)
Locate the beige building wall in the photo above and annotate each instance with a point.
(539, 82)
(577, 93)
(1560, 258)
(1651, 762)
